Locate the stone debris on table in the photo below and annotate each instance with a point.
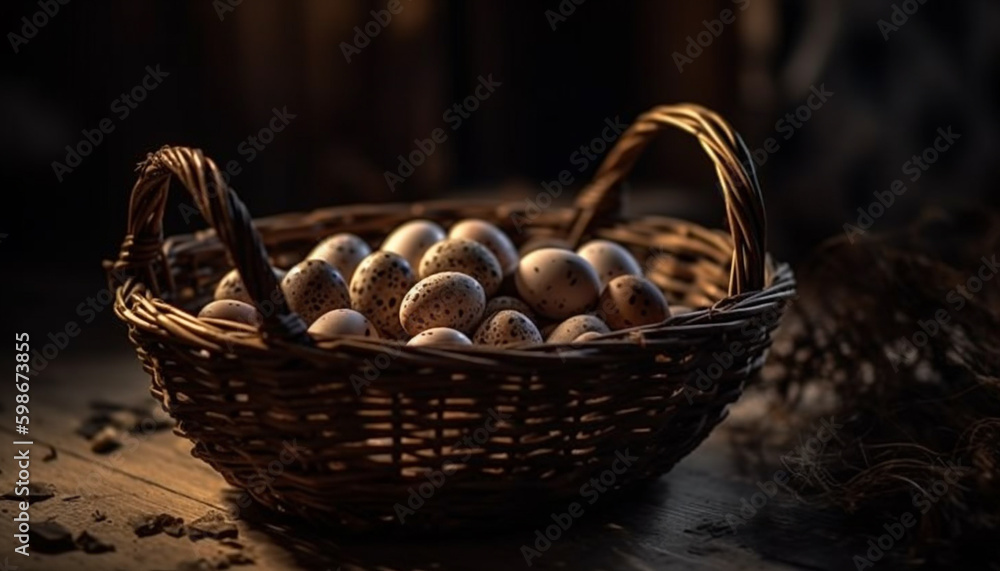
(175, 528)
(91, 544)
(120, 418)
(37, 492)
(106, 441)
(224, 561)
(233, 560)
(147, 525)
(50, 537)
(214, 525)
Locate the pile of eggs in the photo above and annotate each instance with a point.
(468, 285)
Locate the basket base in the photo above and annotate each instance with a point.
(450, 506)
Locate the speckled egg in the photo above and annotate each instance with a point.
(341, 322)
(507, 327)
(342, 251)
(313, 288)
(576, 326)
(610, 260)
(630, 301)
(588, 336)
(231, 286)
(377, 289)
(412, 239)
(440, 336)
(232, 310)
(541, 242)
(466, 257)
(557, 283)
(448, 299)
(508, 302)
(490, 236)
(547, 327)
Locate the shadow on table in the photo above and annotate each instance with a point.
(623, 531)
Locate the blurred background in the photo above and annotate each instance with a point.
(362, 91)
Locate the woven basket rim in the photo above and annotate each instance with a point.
(699, 321)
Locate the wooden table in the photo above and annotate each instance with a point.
(678, 522)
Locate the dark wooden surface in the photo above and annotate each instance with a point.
(677, 522)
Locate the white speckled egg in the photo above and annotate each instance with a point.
(313, 288)
(232, 310)
(610, 260)
(448, 299)
(547, 327)
(342, 251)
(541, 242)
(508, 302)
(465, 257)
(340, 322)
(588, 336)
(231, 286)
(440, 336)
(557, 283)
(507, 327)
(377, 289)
(412, 239)
(576, 326)
(630, 301)
(490, 236)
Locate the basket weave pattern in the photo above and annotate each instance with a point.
(517, 428)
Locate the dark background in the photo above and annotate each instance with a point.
(607, 59)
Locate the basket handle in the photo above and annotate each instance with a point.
(222, 209)
(734, 166)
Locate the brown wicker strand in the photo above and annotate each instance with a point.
(227, 215)
(741, 189)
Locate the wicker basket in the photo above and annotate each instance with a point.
(478, 434)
